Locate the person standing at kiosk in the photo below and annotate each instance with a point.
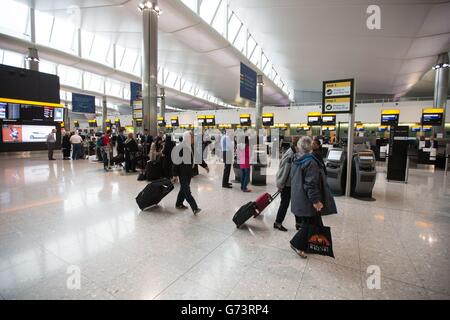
(227, 150)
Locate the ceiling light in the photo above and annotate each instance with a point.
(148, 5)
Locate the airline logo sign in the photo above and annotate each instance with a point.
(337, 96)
(338, 105)
(334, 89)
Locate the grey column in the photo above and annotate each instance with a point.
(32, 58)
(66, 118)
(259, 102)
(351, 133)
(104, 113)
(441, 85)
(150, 69)
(162, 93)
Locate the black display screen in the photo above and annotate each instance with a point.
(210, 121)
(14, 111)
(93, 124)
(432, 119)
(314, 120)
(267, 121)
(246, 122)
(329, 120)
(389, 119)
(174, 122)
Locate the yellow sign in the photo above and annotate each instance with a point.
(433, 110)
(174, 118)
(245, 115)
(314, 114)
(267, 115)
(337, 104)
(34, 103)
(160, 119)
(343, 88)
(390, 112)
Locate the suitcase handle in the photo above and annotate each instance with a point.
(275, 195)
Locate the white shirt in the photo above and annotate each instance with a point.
(225, 143)
(75, 139)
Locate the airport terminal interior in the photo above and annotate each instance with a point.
(340, 106)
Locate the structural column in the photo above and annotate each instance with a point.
(162, 92)
(259, 102)
(441, 85)
(104, 113)
(66, 118)
(32, 58)
(150, 12)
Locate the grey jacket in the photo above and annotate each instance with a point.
(284, 171)
(308, 186)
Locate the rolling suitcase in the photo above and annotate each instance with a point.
(153, 170)
(244, 213)
(263, 201)
(153, 193)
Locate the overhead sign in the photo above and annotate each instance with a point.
(83, 103)
(161, 122)
(432, 117)
(136, 99)
(174, 121)
(248, 81)
(201, 120)
(267, 119)
(210, 120)
(337, 96)
(245, 120)
(329, 119)
(314, 118)
(390, 117)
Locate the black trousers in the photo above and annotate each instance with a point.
(226, 169)
(185, 193)
(284, 204)
(130, 161)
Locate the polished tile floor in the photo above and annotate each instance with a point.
(61, 216)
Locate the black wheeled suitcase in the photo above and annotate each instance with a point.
(244, 213)
(153, 193)
(153, 170)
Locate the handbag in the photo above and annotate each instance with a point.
(314, 238)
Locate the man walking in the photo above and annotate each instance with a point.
(227, 152)
(51, 141)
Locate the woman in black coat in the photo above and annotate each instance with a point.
(167, 156)
(65, 146)
(130, 148)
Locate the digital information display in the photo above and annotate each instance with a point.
(248, 80)
(174, 122)
(210, 121)
(334, 155)
(432, 119)
(246, 122)
(14, 111)
(201, 121)
(267, 121)
(314, 120)
(329, 120)
(14, 133)
(93, 123)
(83, 103)
(389, 119)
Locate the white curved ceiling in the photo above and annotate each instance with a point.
(311, 41)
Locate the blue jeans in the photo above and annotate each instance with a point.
(245, 178)
(185, 193)
(76, 151)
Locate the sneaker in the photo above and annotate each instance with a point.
(196, 211)
(279, 226)
(106, 169)
(247, 190)
(300, 253)
(181, 206)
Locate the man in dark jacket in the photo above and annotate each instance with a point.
(310, 195)
(183, 172)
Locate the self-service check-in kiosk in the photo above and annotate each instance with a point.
(336, 163)
(363, 173)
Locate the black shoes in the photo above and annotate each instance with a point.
(196, 211)
(279, 226)
(229, 186)
(181, 207)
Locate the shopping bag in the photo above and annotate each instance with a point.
(314, 239)
(319, 240)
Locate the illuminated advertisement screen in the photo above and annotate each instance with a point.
(13, 133)
(2, 110)
(58, 114)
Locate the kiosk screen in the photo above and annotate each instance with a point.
(334, 155)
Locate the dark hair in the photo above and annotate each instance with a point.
(317, 140)
(246, 141)
(108, 131)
